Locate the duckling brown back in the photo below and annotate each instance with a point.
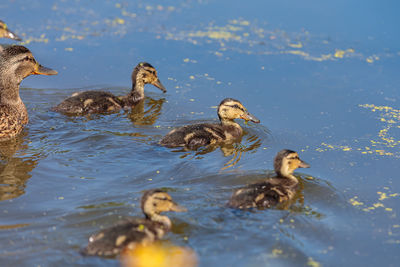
(273, 191)
(227, 130)
(82, 103)
(127, 233)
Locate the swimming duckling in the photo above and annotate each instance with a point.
(194, 136)
(6, 33)
(273, 191)
(129, 233)
(82, 103)
(16, 63)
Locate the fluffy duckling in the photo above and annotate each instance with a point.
(194, 136)
(6, 33)
(129, 233)
(86, 102)
(273, 191)
(16, 63)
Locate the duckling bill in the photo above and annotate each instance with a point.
(5, 32)
(16, 63)
(129, 233)
(273, 191)
(194, 136)
(82, 103)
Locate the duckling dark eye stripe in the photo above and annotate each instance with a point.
(236, 106)
(161, 198)
(23, 59)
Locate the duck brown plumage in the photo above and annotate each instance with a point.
(273, 191)
(82, 103)
(6, 33)
(194, 136)
(16, 63)
(128, 233)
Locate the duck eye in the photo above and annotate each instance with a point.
(28, 58)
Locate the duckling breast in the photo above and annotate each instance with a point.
(12, 121)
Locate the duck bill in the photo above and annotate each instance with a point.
(177, 208)
(304, 164)
(249, 117)
(13, 36)
(41, 70)
(159, 85)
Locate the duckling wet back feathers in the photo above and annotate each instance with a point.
(194, 136)
(273, 191)
(86, 102)
(6, 33)
(16, 63)
(128, 233)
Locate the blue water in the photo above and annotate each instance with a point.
(308, 70)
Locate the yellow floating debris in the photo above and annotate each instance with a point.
(158, 255)
(298, 45)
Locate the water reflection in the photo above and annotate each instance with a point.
(14, 170)
(146, 112)
(248, 143)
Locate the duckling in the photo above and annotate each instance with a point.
(273, 191)
(82, 103)
(129, 233)
(16, 63)
(194, 136)
(6, 33)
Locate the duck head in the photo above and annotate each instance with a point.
(156, 201)
(6, 33)
(286, 161)
(17, 63)
(144, 73)
(230, 109)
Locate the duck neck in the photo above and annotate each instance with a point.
(137, 93)
(283, 174)
(232, 125)
(9, 90)
(164, 220)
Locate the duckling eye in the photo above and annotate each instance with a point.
(27, 58)
(237, 107)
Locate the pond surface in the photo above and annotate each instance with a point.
(323, 78)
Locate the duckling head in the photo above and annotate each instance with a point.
(6, 33)
(144, 73)
(156, 201)
(230, 109)
(286, 161)
(17, 62)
